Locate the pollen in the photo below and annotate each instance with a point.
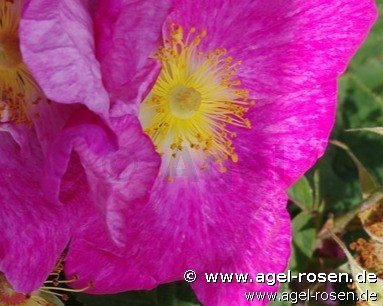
(197, 101)
(18, 89)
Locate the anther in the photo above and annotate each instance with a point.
(177, 34)
(234, 158)
(199, 97)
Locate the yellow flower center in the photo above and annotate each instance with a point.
(18, 90)
(195, 102)
(184, 101)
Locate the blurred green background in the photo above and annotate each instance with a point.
(330, 191)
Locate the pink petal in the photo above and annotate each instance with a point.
(136, 91)
(127, 33)
(121, 181)
(37, 230)
(292, 53)
(289, 132)
(283, 45)
(49, 118)
(57, 43)
(190, 224)
(269, 255)
(120, 171)
(20, 136)
(77, 197)
(81, 130)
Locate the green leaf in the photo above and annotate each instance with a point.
(365, 88)
(336, 190)
(302, 194)
(366, 181)
(344, 86)
(304, 232)
(319, 204)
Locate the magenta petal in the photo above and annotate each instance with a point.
(291, 131)
(269, 255)
(37, 230)
(283, 45)
(49, 118)
(20, 136)
(127, 33)
(57, 43)
(190, 224)
(121, 180)
(120, 171)
(291, 54)
(136, 91)
(82, 131)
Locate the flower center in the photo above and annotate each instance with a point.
(10, 55)
(18, 90)
(196, 102)
(184, 101)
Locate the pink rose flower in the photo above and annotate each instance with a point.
(61, 165)
(238, 99)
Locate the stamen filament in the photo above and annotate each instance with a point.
(195, 101)
(67, 289)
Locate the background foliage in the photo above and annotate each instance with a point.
(329, 194)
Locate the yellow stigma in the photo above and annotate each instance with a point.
(18, 90)
(184, 101)
(196, 102)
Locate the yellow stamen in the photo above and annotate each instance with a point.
(18, 88)
(43, 297)
(196, 101)
(9, 51)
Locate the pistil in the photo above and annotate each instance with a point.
(196, 102)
